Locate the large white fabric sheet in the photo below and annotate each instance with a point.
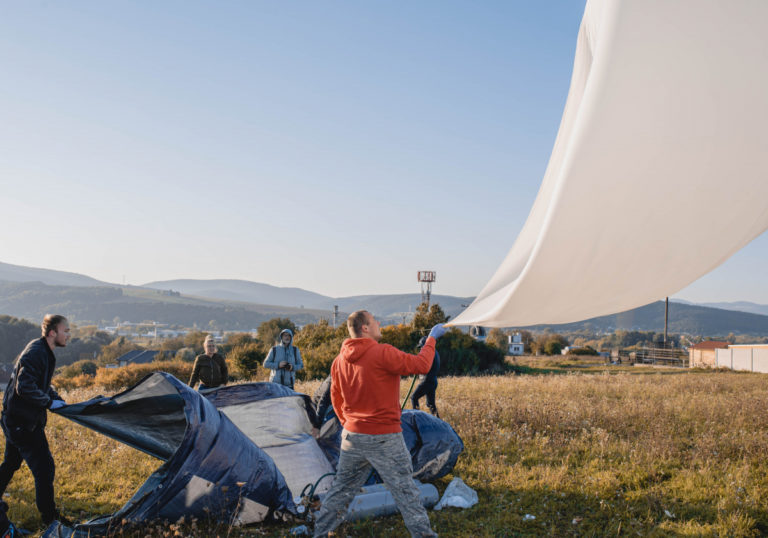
(658, 173)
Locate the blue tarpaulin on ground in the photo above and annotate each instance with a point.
(237, 455)
(211, 470)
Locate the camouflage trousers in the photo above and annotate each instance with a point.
(388, 454)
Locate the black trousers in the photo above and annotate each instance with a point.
(32, 447)
(425, 388)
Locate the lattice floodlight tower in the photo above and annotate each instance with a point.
(426, 278)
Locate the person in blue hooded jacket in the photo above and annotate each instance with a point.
(284, 360)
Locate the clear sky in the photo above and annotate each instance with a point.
(333, 146)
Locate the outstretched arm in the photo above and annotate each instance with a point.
(402, 363)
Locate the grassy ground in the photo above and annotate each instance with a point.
(593, 451)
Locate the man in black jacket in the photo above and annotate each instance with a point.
(428, 384)
(27, 397)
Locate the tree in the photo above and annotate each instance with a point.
(403, 337)
(554, 344)
(195, 339)
(268, 331)
(15, 333)
(319, 344)
(427, 317)
(239, 339)
(115, 349)
(498, 339)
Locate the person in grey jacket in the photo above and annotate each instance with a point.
(284, 360)
(26, 401)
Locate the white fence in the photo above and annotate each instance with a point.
(749, 359)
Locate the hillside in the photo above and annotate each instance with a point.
(243, 290)
(246, 291)
(241, 305)
(105, 305)
(19, 273)
(683, 318)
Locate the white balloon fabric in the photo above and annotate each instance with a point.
(658, 173)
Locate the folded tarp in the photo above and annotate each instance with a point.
(434, 445)
(212, 470)
(657, 175)
(279, 421)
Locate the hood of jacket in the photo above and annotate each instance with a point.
(354, 348)
(289, 333)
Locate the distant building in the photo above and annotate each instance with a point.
(478, 333)
(703, 354)
(516, 346)
(747, 357)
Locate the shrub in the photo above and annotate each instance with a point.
(115, 349)
(460, 354)
(585, 350)
(185, 354)
(75, 369)
(244, 361)
(115, 379)
(403, 337)
(319, 344)
(75, 382)
(498, 339)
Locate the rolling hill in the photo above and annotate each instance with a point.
(19, 273)
(241, 305)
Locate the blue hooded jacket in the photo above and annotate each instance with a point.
(280, 353)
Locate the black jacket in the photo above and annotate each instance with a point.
(322, 401)
(431, 376)
(29, 392)
(210, 371)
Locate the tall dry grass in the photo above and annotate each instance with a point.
(663, 453)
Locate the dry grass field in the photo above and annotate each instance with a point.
(579, 451)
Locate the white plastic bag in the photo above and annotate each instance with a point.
(457, 494)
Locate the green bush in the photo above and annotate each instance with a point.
(585, 350)
(460, 354)
(245, 361)
(319, 344)
(75, 369)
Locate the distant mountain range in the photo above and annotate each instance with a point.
(683, 318)
(254, 292)
(19, 273)
(241, 305)
(741, 306)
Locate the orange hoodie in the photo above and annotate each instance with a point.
(365, 383)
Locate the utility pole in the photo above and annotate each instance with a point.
(335, 315)
(666, 321)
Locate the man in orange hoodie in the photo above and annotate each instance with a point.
(365, 392)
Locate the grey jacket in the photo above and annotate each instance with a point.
(289, 354)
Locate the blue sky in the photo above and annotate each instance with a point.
(334, 146)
